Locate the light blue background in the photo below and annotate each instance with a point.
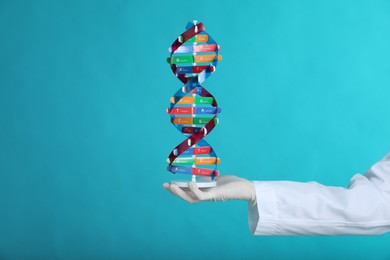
(304, 88)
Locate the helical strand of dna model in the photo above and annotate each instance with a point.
(193, 110)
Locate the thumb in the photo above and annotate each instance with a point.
(197, 193)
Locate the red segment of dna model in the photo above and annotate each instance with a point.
(193, 110)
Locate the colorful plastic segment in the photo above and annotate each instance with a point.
(193, 110)
(194, 160)
(196, 38)
(194, 59)
(193, 120)
(193, 171)
(193, 69)
(197, 150)
(190, 100)
(188, 129)
(196, 48)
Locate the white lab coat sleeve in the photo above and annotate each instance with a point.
(294, 208)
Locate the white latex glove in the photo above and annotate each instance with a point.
(228, 187)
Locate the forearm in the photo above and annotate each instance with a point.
(293, 208)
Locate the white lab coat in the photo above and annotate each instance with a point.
(294, 208)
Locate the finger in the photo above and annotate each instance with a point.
(197, 193)
(181, 193)
(167, 187)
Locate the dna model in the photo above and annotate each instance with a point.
(193, 110)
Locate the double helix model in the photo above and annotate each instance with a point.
(193, 110)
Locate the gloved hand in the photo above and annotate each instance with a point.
(228, 187)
